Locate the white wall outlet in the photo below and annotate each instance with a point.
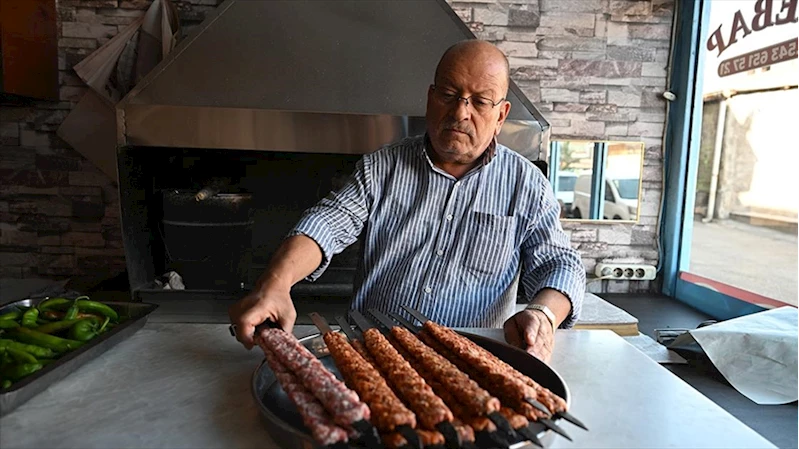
(626, 271)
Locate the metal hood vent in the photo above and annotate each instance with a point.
(305, 76)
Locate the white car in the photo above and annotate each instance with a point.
(565, 193)
(621, 198)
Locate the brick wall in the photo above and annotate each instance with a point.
(595, 68)
(59, 215)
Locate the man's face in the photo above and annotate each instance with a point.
(460, 132)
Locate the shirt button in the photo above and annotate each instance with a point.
(440, 253)
(428, 289)
(449, 217)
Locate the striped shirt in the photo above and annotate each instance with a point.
(453, 249)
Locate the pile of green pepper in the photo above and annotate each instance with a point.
(30, 338)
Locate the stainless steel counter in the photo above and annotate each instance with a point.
(177, 385)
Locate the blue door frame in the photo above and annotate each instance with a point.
(684, 124)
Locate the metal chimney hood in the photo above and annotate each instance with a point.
(306, 76)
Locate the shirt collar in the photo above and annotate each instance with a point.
(487, 156)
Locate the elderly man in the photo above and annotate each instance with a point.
(451, 221)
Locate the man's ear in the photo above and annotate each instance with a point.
(504, 110)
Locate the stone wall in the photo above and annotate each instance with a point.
(595, 68)
(59, 214)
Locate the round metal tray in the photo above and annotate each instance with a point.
(285, 423)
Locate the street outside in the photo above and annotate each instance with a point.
(752, 258)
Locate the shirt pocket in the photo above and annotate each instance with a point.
(491, 241)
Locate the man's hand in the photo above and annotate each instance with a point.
(531, 331)
(260, 305)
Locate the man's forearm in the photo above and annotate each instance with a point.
(556, 301)
(296, 258)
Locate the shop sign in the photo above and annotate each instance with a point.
(773, 54)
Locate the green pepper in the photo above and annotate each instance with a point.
(34, 350)
(6, 384)
(85, 330)
(97, 307)
(29, 317)
(17, 372)
(13, 315)
(72, 312)
(57, 326)
(33, 337)
(20, 356)
(54, 303)
(8, 324)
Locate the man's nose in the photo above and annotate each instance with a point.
(462, 110)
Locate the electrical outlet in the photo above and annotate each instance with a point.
(626, 271)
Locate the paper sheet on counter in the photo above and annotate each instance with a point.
(757, 354)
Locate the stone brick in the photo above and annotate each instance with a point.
(653, 69)
(560, 95)
(650, 206)
(576, 55)
(3, 206)
(77, 42)
(19, 190)
(73, 56)
(584, 235)
(663, 8)
(57, 250)
(646, 129)
(593, 96)
(16, 259)
(49, 208)
(48, 240)
(536, 70)
(630, 53)
(652, 115)
(565, 82)
(615, 286)
(108, 252)
(21, 239)
(492, 34)
(88, 3)
(652, 98)
(119, 12)
(554, 22)
(589, 265)
(82, 178)
(569, 6)
(87, 30)
(523, 16)
(16, 158)
(559, 122)
(571, 43)
(582, 128)
(605, 69)
(88, 239)
(615, 129)
(33, 178)
(630, 97)
(615, 234)
(91, 227)
(491, 14)
(531, 90)
(465, 14)
(72, 93)
(617, 33)
(570, 107)
(650, 32)
(631, 8)
(81, 191)
(30, 138)
(134, 4)
(518, 49)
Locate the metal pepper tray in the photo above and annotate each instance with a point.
(28, 387)
(285, 423)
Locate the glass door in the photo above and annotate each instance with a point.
(736, 246)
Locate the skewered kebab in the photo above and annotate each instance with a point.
(499, 378)
(509, 417)
(314, 416)
(431, 412)
(354, 341)
(343, 404)
(387, 411)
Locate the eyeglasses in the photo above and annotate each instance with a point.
(447, 96)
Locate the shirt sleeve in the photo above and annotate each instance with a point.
(549, 261)
(337, 220)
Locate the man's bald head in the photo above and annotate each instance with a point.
(474, 52)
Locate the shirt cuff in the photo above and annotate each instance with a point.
(571, 285)
(316, 228)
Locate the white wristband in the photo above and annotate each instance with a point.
(548, 313)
